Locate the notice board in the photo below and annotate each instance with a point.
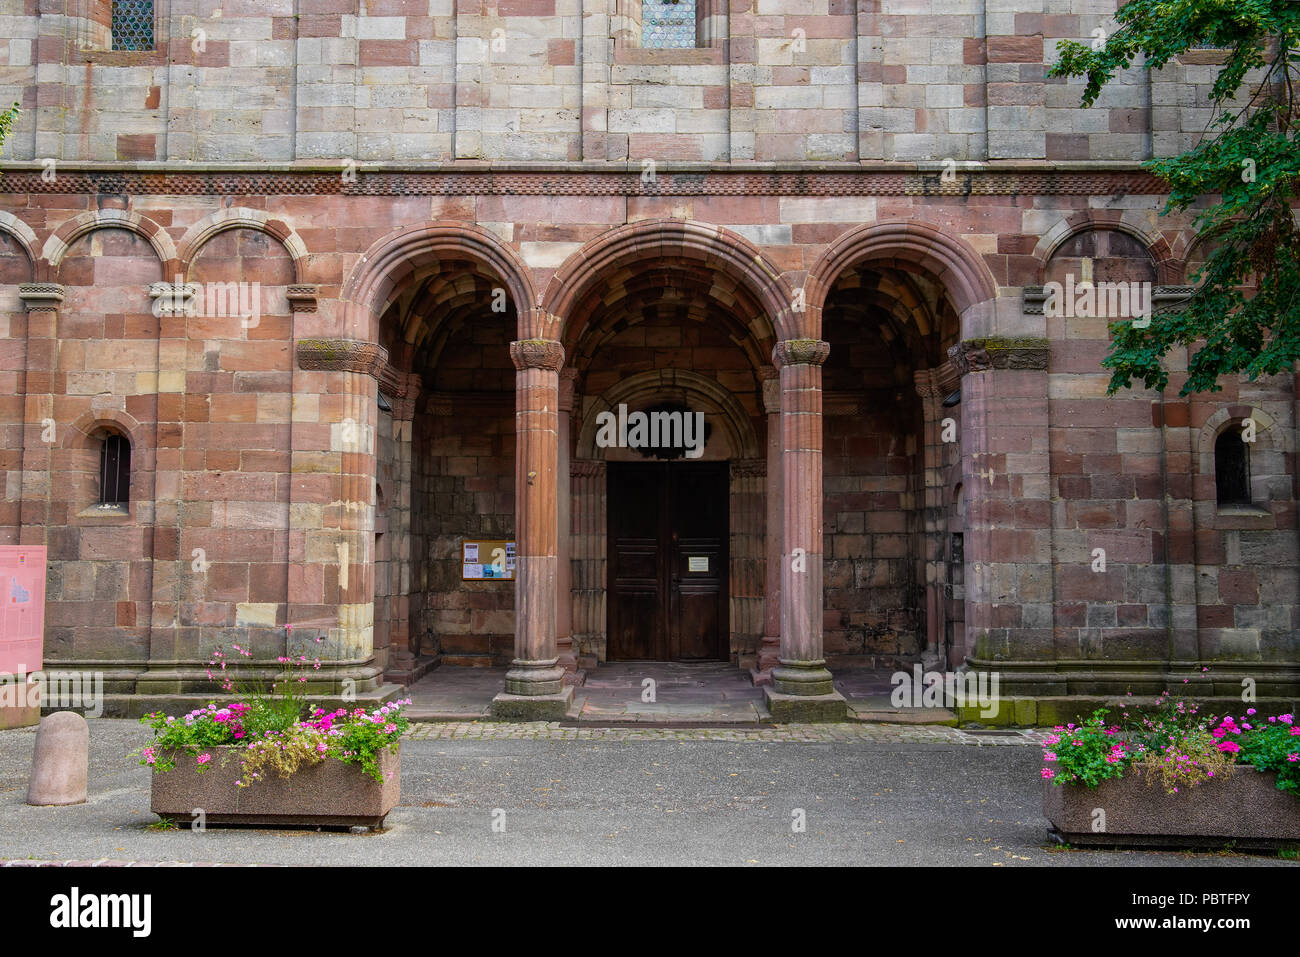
(487, 559)
(22, 608)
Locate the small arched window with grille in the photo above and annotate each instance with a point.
(114, 471)
(1232, 467)
(133, 25)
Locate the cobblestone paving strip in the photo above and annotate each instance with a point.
(807, 733)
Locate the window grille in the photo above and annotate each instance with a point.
(115, 471)
(668, 24)
(133, 25)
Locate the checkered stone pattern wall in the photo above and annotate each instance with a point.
(433, 80)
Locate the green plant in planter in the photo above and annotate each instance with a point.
(272, 728)
(1087, 754)
(1271, 744)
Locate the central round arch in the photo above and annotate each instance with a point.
(625, 247)
(680, 384)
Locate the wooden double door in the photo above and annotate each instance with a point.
(668, 569)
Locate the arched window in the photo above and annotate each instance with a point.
(114, 471)
(133, 25)
(1232, 467)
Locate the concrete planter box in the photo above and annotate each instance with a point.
(328, 794)
(1246, 810)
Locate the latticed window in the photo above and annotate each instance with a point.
(667, 24)
(132, 25)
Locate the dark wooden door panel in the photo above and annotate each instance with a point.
(668, 573)
(698, 510)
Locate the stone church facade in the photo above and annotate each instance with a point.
(298, 298)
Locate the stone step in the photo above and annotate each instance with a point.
(136, 706)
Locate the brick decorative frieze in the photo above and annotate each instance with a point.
(537, 354)
(342, 355)
(562, 182)
(1000, 352)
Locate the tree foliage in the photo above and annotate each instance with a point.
(1244, 317)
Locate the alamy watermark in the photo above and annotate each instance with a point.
(651, 430)
(83, 690)
(934, 689)
(210, 300)
(1099, 300)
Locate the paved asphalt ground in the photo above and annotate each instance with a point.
(612, 796)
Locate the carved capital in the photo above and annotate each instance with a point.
(793, 352)
(40, 296)
(342, 355)
(302, 297)
(537, 354)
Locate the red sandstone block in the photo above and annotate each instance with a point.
(560, 52)
(1015, 49)
(1238, 587)
(388, 52)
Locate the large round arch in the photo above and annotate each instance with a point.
(909, 246)
(398, 256)
(621, 249)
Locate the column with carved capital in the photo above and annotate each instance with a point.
(802, 688)
(535, 688)
(564, 517)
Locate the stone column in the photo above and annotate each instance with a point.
(932, 385)
(42, 301)
(1006, 482)
(403, 643)
(564, 518)
(770, 651)
(588, 476)
(802, 688)
(535, 688)
(331, 514)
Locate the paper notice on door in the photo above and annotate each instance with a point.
(697, 563)
(472, 571)
(471, 553)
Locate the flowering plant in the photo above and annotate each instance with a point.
(1176, 745)
(1087, 753)
(273, 728)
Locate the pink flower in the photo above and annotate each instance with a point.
(1230, 747)
(1250, 711)
(1048, 774)
(1293, 757)
(204, 758)
(1049, 756)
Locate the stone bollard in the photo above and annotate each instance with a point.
(60, 763)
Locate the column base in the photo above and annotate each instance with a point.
(802, 677)
(534, 678)
(805, 708)
(533, 707)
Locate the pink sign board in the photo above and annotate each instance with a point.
(22, 608)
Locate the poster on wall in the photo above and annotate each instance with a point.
(22, 607)
(487, 560)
